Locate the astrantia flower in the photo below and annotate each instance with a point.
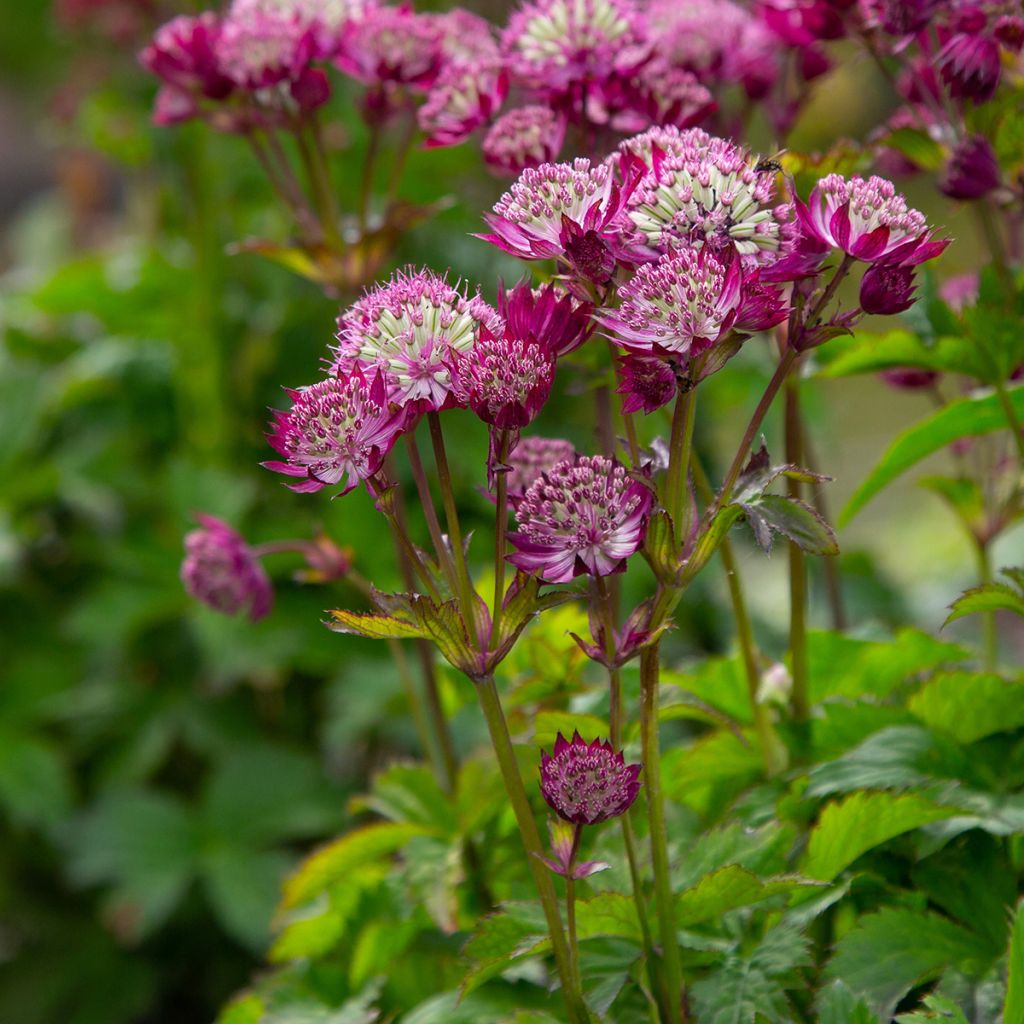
(570, 211)
(524, 137)
(900, 17)
(551, 44)
(338, 431)
(533, 457)
(183, 54)
(969, 65)
(552, 316)
(887, 289)
(324, 18)
(585, 515)
(868, 220)
(678, 306)
(391, 45)
(664, 95)
(463, 36)
(972, 170)
(259, 47)
(646, 382)
(465, 97)
(223, 572)
(409, 327)
(706, 190)
(587, 783)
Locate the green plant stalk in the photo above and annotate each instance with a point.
(444, 558)
(500, 534)
(990, 632)
(799, 701)
(683, 419)
(570, 905)
(366, 180)
(490, 703)
(319, 183)
(465, 591)
(830, 563)
(1012, 419)
(663, 895)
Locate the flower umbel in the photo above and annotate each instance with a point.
(524, 137)
(587, 783)
(533, 457)
(223, 572)
(338, 431)
(584, 515)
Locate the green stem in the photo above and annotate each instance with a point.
(319, 183)
(990, 633)
(799, 703)
(651, 759)
(444, 558)
(366, 182)
(570, 905)
(500, 533)
(830, 563)
(505, 753)
(1012, 419)
(465, 591)
(675, 498)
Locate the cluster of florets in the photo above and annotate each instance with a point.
(587, 783)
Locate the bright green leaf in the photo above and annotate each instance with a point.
(992, 597)
(1013, 1011)
(969, 706)
(727, 889)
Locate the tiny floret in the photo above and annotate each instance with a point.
(587, 783)
(584, 515)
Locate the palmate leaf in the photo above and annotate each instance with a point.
(970, 705)
(851, 827)
(887, 954)
(972, 416)
(992, 597)
(728, 889)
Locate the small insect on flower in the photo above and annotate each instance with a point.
(223, 572)
(587, 783)
(584, 515)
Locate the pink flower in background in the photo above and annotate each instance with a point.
(960, 291)
(646, 382)
(909, 378)
(570, 211)
(463, 37)
(338, 431)
(531, 458)
(183, 53)
(223, 572)
(868, 220)
(464, 98)
(972, 171)
(587, 783)
(584, 515)
(549, 314)
(887, 289)
(524, 137)
(969, 65)
(900, 17)
(705, 190)
(260, 46)
(391, 46)
(408, 327)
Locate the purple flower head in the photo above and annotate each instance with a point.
(868, 220)
(391, 46)
(665, 95)
(223, 572)
(409, 327)
(678, 306)
(960, 291)
(524, 137)
(801, 23)
(261, 46)
(584, 515)
(324, 19)
(909, 378)
(533, 457)
(552, 44)
(464, 37)
(1009, 30)
(587, 783)
(887, 289)
(969, 65)
(972, 170)
(646, 382)
(464, 98)
(706, 190)
(552, 316)
(338, 431)
(570, 211)
(183, 53)
(900, 17)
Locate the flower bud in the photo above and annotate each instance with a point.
(972, 170)
(885, 290)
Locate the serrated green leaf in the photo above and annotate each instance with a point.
(838, 1005)
(1013, 1009)
(796, 521)
(992, 597)
(714, 769)
(375, 627)
(848, 828)
(936, 1008)
(514, 931)
(888, 953)
(727, 889)
(970, 705)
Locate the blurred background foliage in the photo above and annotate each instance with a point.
(161, 767)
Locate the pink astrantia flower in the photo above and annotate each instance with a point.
(464, 98)
(584, 515)
(972, 171)
(646, 383)
(409, 327)
(887, 289)
(325, 19)
(260, 47)
(969, 65)
(464, 37)
(705, 191)
(549, 314)
(568, 211)
(391, 46)
(868, 220)
(338, 431)
(223, 572)
(524, 137)
(587, 783)
(551, 44)
(532, 458)
(183, 54)
(662, 95)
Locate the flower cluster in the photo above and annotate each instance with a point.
(587, 783)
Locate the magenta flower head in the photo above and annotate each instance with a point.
(868, 220)
(524, 137)
(569, 211)
(552, 44)
(887, 289)
(183, 53)
(261, 46)
(391, 46)
(533, 457)
(706, 190)
(664, 95)
(587, 783)
(223, 572)
(464, 98)
(969, 65)
(338, 431)
(409, 327)
(555, 318)
(646, 383)
(901, 17)
(972, 170)
(584, 515)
